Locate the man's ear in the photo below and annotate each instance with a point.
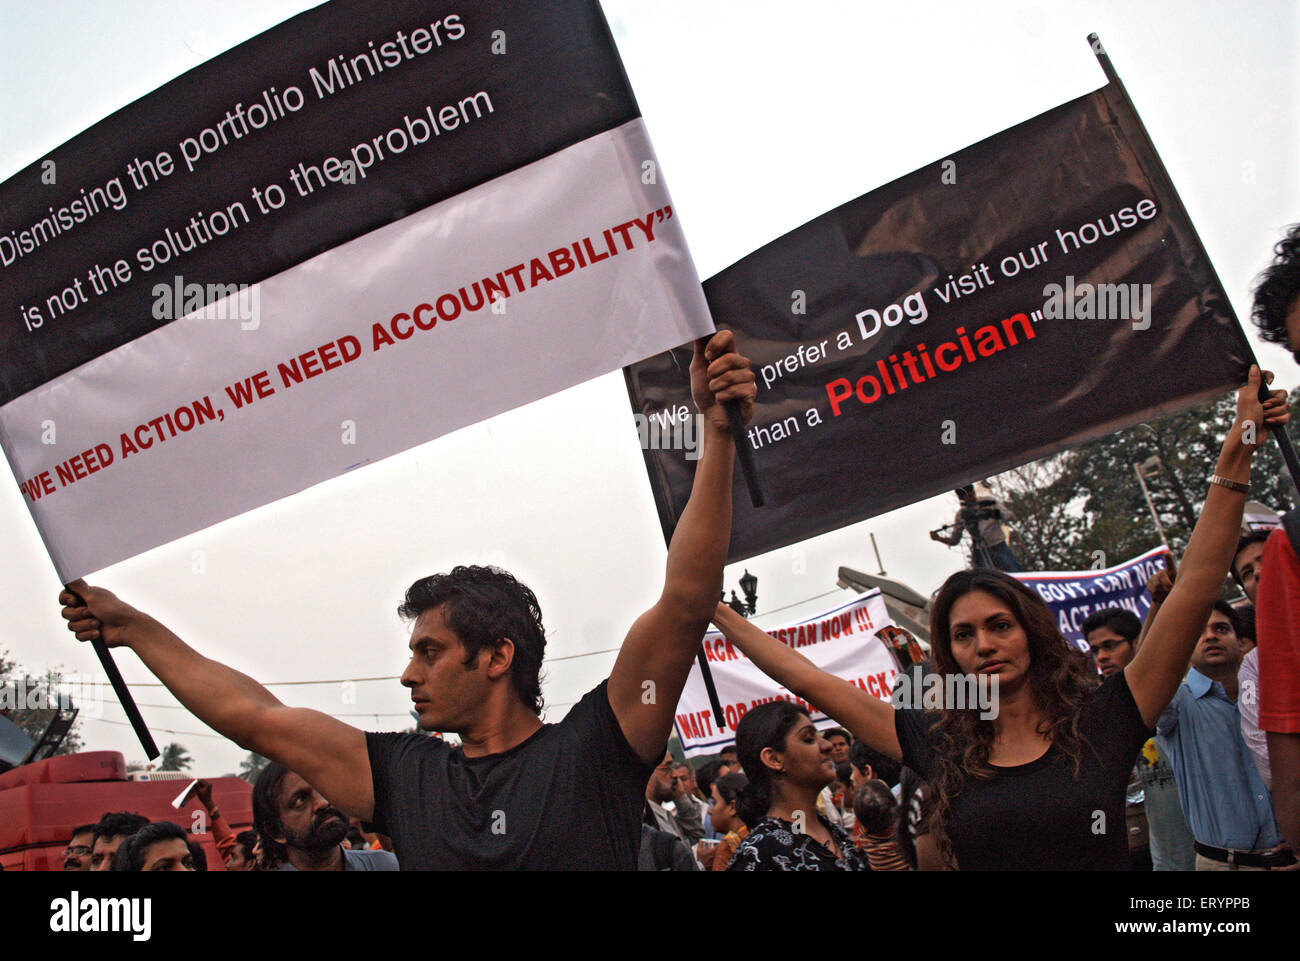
(501, 656)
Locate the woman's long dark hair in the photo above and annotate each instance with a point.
(767, 725)
(1059, 679)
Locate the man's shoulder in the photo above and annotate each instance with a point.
(371, 860)
(1168, 719)
(397, 750)
(594, 703)
(592, 725)
(1109, 691)
(1185, 695)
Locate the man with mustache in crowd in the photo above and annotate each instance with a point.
(686, 822)
(301, 831)
(76, 857)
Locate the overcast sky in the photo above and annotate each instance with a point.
(763, 115)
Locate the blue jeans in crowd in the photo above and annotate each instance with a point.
(1171, 839)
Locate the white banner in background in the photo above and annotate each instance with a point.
(842, 642)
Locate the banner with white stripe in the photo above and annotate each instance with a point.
(503, 235)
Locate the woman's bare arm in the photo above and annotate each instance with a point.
(868, 718)
(1158, 668)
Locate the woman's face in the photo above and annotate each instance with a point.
(806, 760)
(721, 813)
(988, 639)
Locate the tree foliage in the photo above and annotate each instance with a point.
(175, 758)
(251, 766)
(1084, 508)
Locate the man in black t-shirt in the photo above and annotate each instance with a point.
(516, 793)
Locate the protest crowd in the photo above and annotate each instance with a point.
(1196, 704)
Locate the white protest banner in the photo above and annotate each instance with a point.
(842, 641)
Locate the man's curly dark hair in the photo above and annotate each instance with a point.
(1277, 289)
(483, 605)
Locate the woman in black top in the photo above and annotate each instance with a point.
(788, 763)
(1039, 780)
(1042, 784)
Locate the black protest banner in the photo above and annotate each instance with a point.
(343, 119)
(365, 228)
(1031, 292)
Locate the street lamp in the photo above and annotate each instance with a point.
(749, 606)
(749, 585)
(1145, 471)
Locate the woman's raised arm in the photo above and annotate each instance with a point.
(868, 718)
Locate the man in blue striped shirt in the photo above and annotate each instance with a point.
(1223, 797)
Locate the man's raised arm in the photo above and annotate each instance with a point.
(656, 655)
(324, 751)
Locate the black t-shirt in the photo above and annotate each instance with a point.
(1037, 816)
(569, 797)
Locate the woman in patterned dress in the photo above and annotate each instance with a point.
(788, 763)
